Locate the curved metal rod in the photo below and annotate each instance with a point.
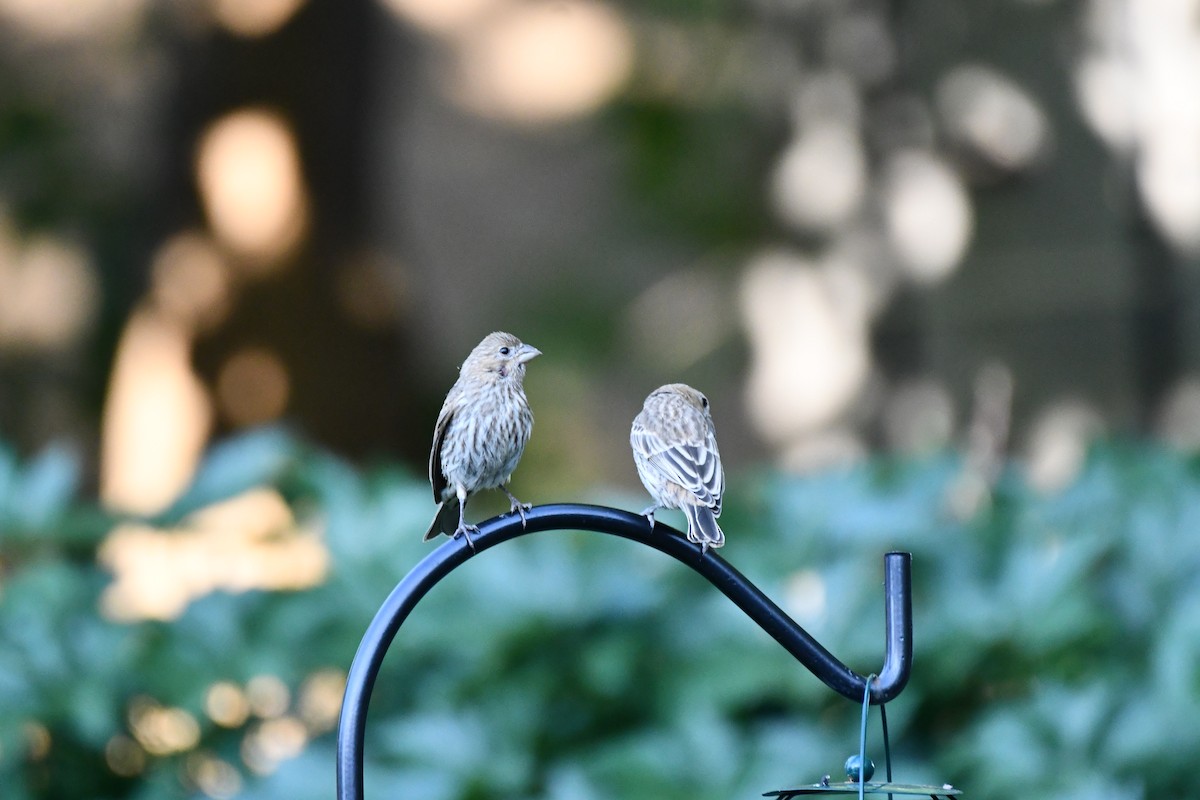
(808, 651)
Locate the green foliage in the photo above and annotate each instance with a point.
(697, 173)
(1057, 641)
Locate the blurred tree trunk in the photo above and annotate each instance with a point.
(347, 386)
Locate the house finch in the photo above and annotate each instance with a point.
(675, 449)
(481, 432)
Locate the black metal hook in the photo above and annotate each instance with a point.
(808, 651)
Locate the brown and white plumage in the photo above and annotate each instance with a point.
(481, 431)
(675, 449)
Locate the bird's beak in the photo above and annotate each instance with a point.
(527, 352)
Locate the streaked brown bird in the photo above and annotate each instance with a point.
(675, 448)
(481, 432)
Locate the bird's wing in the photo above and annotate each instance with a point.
(436, 478)
(697, 468)
(716, 483)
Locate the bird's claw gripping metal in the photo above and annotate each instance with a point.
(465, 530)
(517, 506)
(648, 513)
(521, 508)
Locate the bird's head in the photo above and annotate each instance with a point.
(685, 393)
(500, 356)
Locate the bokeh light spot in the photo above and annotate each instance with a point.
(248, 172)
(49, 294)
(543, 62)
(250, 541)
(929, 216)
(821, 177)
(156, 417)
(214, 776)
(124, 756)
(1135, 84)
(810, 355)
(190, 281)
(320, 702)
(37, 740)
(269, 697)
(805, 597)
(445, 17)
(1168, 175)
(252, 18)
(272, 742)
(252, 387)
(57, 20)
(1106, 91)
(993, 117)
(226, 704)
(1058, 444)
(1179, 420)
(162, 730)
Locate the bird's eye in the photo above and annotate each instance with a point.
(704, 401)
(504, 351)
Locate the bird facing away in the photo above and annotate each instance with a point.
(481, 432)
(675, 449)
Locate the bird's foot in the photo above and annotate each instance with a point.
(517, 505)
(520, 508)
(648, 513)
(465, 531)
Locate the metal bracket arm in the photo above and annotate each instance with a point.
(891, 679)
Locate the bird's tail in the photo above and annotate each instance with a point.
(445, 520)
(702, 526)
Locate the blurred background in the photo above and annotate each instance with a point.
(936, 265)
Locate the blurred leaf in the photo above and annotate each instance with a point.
(47, 486)
(255, 458)
(1056, 642)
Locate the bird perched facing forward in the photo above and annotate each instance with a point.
(481, 432)
(675, 449)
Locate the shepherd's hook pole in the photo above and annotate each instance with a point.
(892, 676)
